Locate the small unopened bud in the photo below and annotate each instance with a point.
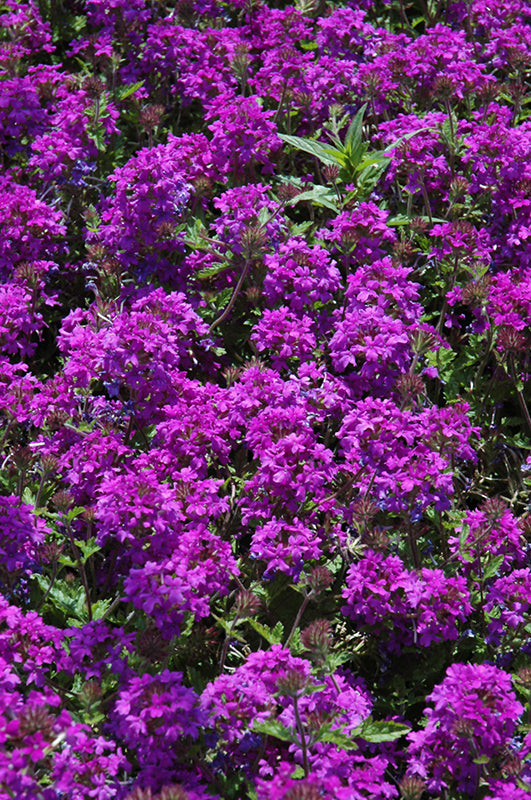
(241, 62)
(49, 464)
(411, 788)
(524, 677)
(27, 272)
(231, 375)
(476, 293)
(253, 294)
(89, 515)
(151, 645)
(331, 172)
(62, 500)
(422, 340)
(287, 192)
(49, 553)
(35, 720)
(57, 419)
(23, 458)
(292, 683)
(349, 238)
(402, 252)
(459, 186)
(150, 117)
(202, 186)
(320, 579)
(303, 791)
(418, 225)
(247, 604)
(93, 86)
(512, 766)
(494, 508)
(363, 512)
(512, 341)
(90, 693)
(376, 539)
(444, 87)
(410, 386)
(253, 242)
(317, 639)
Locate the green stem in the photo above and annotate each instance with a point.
(232, 300)
(302, 736)
(300, 612)
(82, 572)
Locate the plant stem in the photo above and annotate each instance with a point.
(300, 729)
(82, 572)
(300, 612)
(232, 300)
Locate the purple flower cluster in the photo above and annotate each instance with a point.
(265, 400)
(469, 728)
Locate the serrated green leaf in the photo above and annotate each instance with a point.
(99, 608)
(325, 153)
(336, 737)
(210, 272)
(272, 636)
(194, 233)
(272, 727)
(298, 773)
(73, 513)
(87, 548)
(229, 628)
(301, 228)
(66, 561)
(321, 195)
(123, 92)
(492, 568)
(380, 731)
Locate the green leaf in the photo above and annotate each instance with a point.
(398, 220)
(405, 138)
(99, 608)
(326, 734)
(353, 142)
(481, 760)
(381, 731)
(87, 548)
(124, 92)
(320, 195)
(272, 727)
(229, 628)
(298, 774)
(66, 561)
(73, 513)
(272, 636)
(195, 233)
(493, 567)
(325, 153)
(301, 228)
(215, 269)
(370, 175)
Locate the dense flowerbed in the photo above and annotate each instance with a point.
(265, 306)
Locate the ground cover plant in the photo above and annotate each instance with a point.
(265, 306)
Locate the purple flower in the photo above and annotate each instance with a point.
(472, 721)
